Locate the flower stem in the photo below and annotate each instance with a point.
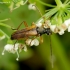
(66, 1)
(5, 25)
(4, 20)
(49, 5)
(5, 34)
(59, 3)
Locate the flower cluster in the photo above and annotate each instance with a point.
(61, 28)
(55, 28)
(16, 48)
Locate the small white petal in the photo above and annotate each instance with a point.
(17, 59)
(32, 7)
(28, 41)
(8, 47)
(61, 32)
(52, 27)
(2, 53)
(39, 24)
(16, 46)
(69, 29)
(32, 43)
(67, 22)
(17, 56)
(35, 42)
(25, 49)
(63, 26)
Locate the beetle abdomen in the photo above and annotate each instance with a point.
(24, 34)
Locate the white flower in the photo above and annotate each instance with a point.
(34, 42)
(31, 7)
(12, 49)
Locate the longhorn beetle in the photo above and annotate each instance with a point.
(32, 31)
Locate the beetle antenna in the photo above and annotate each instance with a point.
(51, 52)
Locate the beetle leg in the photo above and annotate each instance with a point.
(26, 25)
(21, 24)
(24, 22)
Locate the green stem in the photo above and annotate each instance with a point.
(5, 34)
(49, 5)
(66, 1)
(5, 25)
(49, 14)
(4, 20)
(60, 53)
(59, 3)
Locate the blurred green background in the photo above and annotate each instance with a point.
(37, 57)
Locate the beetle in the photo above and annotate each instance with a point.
(30, 31)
